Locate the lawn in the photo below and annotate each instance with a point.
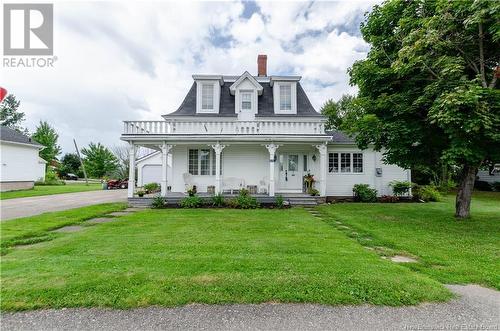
(175, 257)
(35, 229)
(448, 250)
(51, 189)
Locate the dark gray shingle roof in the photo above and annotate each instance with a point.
(8, 134)
(339, 137)
(265, 103)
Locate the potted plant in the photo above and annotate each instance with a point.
(309, 181)
(192, 191)
(140, 193)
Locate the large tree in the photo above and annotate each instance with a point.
(10, 116)
(70, 164)
(99, 160)
(47, 136)
(342, 114)
(428, 86)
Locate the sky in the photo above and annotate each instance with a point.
(123, 60)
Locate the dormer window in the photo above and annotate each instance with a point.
(246, 100)
(207, 97)
(285, 97)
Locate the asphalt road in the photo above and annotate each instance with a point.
(22, 207)
(477, 308)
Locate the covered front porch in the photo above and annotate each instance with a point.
(264, 168)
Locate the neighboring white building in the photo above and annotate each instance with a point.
(258, 132)
(21, 164)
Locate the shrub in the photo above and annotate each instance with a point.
(193, 201)
(152, 187)
(426, 193)
(218, 200)
(51, 178)
(447, 186)
(388, 199)
(482, 186)
(245, 201)
(312, 191)
(364, 193)
(400, 188)
(279, 202)
(496, 186)
(159, 202)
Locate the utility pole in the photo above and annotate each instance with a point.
(81, 162)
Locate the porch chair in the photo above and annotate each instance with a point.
(263, 185)
(188, 180)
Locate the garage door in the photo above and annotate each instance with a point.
(151, 173)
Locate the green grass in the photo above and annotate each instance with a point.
(174, 257)
(448, 250)
(50, 189)
(28, 230)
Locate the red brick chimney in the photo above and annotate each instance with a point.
(262, 65)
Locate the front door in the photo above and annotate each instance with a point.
(290, 172)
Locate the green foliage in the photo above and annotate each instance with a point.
(152, 187)
(481, 185)
(279, 202)
(428, 85)
(312, 191)
(159, 202)
(400, 188)
(244, 201)
(9, 114)
(193, 201)
(218, 200)
(426, 193)
(140, 193)
(364, 193)
(99, 160)
(47, 136)
(51, 178)
(70, 164)
(342, 114)
(192, 191)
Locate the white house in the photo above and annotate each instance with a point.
(257, 132)
(21, 164)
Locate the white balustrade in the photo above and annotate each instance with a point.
(258, 127)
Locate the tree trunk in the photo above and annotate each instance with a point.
(464, 194)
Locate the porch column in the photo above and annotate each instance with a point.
(131, 170)
(165, 149)
(218, 150)
(272, 152)
(323, 167)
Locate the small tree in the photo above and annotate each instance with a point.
(70, 164)
(10, 116)
(99, 160)
(47, 136)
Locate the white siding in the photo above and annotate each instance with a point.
(149, 170)
(20, 163)
(341, 184)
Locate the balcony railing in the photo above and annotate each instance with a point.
(259, 127)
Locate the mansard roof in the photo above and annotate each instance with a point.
(265, 101)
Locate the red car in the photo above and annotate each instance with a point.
(116, 184)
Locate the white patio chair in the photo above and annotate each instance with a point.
(263, 185)
(232, 184)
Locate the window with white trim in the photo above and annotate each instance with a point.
(345, 162)
(207, 96)
(285, 97)
(202, 162)
(246, 100)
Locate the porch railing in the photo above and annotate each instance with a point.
(258, 127)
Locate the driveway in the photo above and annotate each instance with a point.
(477, 308)
(22, 207)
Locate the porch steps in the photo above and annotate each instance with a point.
(304, 201)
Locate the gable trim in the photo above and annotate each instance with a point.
(246, 75)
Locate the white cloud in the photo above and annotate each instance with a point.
(134, 60)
